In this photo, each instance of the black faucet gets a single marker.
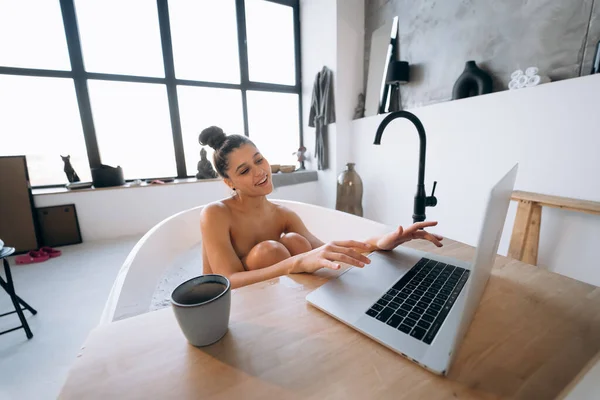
(421, 199)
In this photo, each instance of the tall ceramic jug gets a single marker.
(349, 191)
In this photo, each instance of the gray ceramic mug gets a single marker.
(202, 306)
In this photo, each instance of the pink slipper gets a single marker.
(50, 251)
(32, 257)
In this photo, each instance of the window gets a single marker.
(265, 39)
(133, 127)
(273, 124)
(39, 118)
(134, 83)
(195, 57)
(32, 36)
(201, 107)
(120, 37)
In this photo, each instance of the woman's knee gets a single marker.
(266, 253)
(295, 243)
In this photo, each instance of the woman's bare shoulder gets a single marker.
(216, 211)
(281, 209)
(285, 213)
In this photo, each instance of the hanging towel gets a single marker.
(322, 113)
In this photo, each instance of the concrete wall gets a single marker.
(471, 143)
(111, 213)
(438, 37)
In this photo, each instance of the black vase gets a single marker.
(472, 82)
(106, 176)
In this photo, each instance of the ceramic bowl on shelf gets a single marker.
(275, 168)
(287, 168)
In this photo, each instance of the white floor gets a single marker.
(69, 293)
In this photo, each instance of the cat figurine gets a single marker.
(71, 174)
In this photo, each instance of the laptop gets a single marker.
(419, 304)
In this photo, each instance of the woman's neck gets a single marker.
(250, 203)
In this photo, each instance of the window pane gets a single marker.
(200, 108)
(32, 35)
(120, 37)
(270, 34)
(40, 119)
(205, 44)
(274, 126)
(133, 128)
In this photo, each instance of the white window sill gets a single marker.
(279, 179)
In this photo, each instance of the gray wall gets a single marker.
(437, 37)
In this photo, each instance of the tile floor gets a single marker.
(69, 293)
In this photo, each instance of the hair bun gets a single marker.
(212, 136)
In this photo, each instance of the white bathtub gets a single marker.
(170, 253)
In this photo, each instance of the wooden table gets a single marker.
(586, 383)
(533, 333)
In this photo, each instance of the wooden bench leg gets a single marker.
(519, 232)
(524, 241)
(532, 240)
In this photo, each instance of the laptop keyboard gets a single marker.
(420, 301)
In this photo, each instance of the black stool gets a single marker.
(16, 300)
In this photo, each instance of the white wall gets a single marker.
(332, 33)
(553, 131)
(318, 41)
(114, 213)
(350, 44)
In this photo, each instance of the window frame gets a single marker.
(80, 77)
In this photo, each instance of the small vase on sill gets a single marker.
(472, 82)
(349, 191)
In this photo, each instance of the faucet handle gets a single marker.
(431, 201)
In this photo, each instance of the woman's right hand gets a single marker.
(330, 255)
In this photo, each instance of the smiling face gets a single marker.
(249, 172)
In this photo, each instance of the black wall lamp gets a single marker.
(394, 74)
(398, 73)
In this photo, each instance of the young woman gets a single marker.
(248, 239)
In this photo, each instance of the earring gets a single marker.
(233, 189)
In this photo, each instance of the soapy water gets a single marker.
(187, 266)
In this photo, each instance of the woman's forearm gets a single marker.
(244, 278)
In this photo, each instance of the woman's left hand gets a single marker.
(416, 231)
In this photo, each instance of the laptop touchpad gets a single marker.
(350, 295)
(375, 278)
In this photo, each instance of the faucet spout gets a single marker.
(420, 130)
(421, 199)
